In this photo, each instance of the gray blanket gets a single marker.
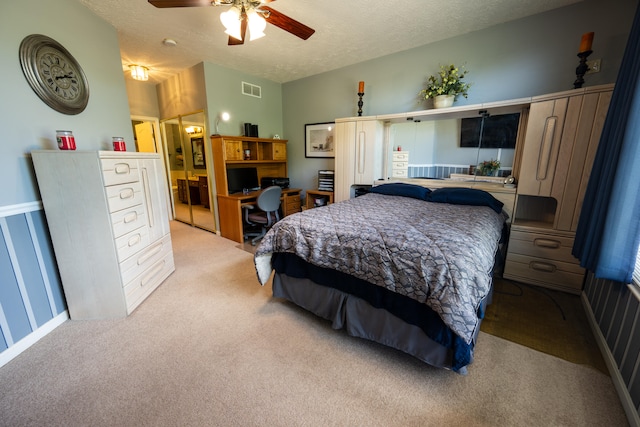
(436, 253)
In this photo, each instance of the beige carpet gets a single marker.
(211, 347)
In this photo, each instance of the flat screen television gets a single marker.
(499, 131)
(240, 178)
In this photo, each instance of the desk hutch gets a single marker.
(268, 156)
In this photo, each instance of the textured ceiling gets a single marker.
(347, 32)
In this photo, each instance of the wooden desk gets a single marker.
(314, 194)
(230, 210)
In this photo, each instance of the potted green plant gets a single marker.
(446, 85)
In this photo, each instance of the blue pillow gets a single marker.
(465, 196)
(402, 189)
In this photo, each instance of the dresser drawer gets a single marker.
(400, 165)
(399, 173)
(541, 271)
(142, 285)
(541, 245)
(124, 196)
(127, 220)
(136, 264)
(131, 243)
(119, 171)
(400, 156)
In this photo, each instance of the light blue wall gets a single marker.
(528, 57)
(224, 93)
(27, 123)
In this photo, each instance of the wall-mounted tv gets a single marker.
(499, 131)
(240, 178)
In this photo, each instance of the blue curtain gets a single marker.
(608, 231)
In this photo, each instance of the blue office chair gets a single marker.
(263, 214)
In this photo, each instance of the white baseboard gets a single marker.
(618, 382)
(26, 342)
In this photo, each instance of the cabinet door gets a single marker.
(279, 151)
(583, 126)
(368, 154)
(542, 142)
(233, 150)
(344, 162)
(156, 197)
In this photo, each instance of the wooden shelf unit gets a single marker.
(268, 156)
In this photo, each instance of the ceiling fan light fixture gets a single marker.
(257, 24)
(138, 72)
(231, 21)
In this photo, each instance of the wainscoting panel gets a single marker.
(614, 311)
(31, 297)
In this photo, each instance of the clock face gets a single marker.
(54, 74)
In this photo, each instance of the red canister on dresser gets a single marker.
(119, 144)
(65, 139)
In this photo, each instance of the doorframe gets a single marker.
(159, 146)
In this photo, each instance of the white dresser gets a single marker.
(400, 164)
(108, 218)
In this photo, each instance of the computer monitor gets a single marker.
(242, 178)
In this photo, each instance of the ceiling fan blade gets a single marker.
(288, 24)
(179, 3)
(243, 30)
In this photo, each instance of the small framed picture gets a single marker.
(197, 145)
(319, 140)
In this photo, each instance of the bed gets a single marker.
(403, 266)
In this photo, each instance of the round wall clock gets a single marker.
(54, 74)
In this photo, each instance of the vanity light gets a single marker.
(138, 72)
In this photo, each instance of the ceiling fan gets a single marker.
(242, 14)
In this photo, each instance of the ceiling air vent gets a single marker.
(251, 90)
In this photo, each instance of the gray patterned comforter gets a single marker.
(436, 253)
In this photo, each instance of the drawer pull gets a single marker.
(130, 217)
(152, 274)
(134, 240)
(544, 158)
(150, 253)
(542, 266)
(122, 168)
(127, 193)
(547, 243)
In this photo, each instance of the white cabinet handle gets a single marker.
(134, 240)
(147, 195)
(545, 148)
(150, 253)
(122, 168)
(127, 193)
(361, 148)
(130, 217)
(547, 243)
(157, 269)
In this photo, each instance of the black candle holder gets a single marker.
(581, 69)
(360, 95)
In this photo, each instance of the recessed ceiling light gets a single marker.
(169, 42)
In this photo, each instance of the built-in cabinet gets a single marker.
(557, 141)
(562, 137)
(107, 214)
(359, 155)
